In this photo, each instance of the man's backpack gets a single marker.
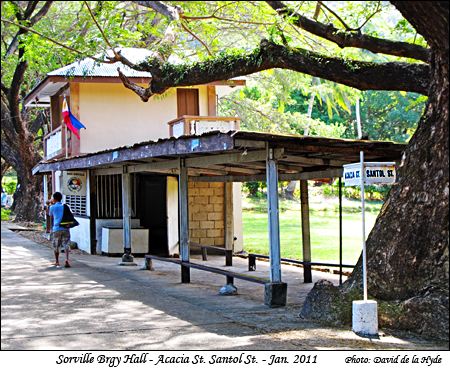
(68, 220)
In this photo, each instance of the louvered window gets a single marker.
(77, 204)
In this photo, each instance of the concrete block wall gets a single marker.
(207, 213)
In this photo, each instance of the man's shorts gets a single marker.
(60, 239)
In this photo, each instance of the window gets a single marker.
(109, 195)
(77, 204)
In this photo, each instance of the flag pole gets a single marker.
(67, 140)
(364, 268)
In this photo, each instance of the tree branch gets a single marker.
(419, 13)
(13, 45)
(346, 39)
(173, 13)
(186, 28)
(38, 122)
(41, 13)
(361, 75)
(98, 26)
(56, 42)
(31, 6)
(347, 28)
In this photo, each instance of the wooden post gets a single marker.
(307, 277)
(184, 221)
(274, 227)
(251, 262)
(340, 230)
(229, 231)
(75, 110)
(92, 211)
(212, 100)
(127, 258)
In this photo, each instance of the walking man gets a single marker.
(60, 235)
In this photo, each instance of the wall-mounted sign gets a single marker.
(375, 173)
(74, 183)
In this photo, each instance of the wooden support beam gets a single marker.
(200, 161)
(246, 144)
(127, 257)
(108, 171)
(304, 200)
(226, 169)
(184, 220)
(229, 232)
(236, 157)
(329, 173)
(312, 161)
(274, 227)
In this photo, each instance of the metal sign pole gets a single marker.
(364, 268)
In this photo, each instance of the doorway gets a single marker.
(152, 211)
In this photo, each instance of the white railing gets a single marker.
(54, 143)
(196, 125)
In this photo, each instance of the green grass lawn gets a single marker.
(324, 222)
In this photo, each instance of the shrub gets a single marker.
(254, 188)
(9, 185)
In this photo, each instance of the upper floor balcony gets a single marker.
(196, 125)
(54, 144)
(59, 143)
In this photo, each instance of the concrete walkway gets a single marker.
(97, 304)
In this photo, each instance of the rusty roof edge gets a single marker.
(225, 141)
(242, 134)
(184, 145)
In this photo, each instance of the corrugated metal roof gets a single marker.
(89, 67)
(299, 141)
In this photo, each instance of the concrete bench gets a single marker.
(274, 293)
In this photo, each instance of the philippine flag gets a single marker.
(71, 121)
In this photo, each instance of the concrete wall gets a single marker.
(100, 223)
(114, 116)
(81, 234)
(237, 217)
(112, 240)
(206, 213)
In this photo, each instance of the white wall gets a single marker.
(172, 215)
(81, 234)
(114, 116)
(100, 223)
(112, 240)
(237, 217)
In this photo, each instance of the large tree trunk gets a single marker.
(407, 250)
(18, 134)
(29, 195)
(5, 168)
(22, 156)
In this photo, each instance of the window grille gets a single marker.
(77, 204)
(109, 195)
